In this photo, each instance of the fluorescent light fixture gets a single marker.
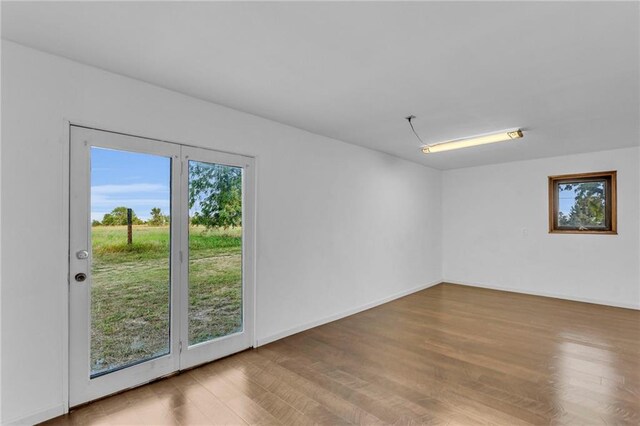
(505, 135)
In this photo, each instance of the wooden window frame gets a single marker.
(611, 212)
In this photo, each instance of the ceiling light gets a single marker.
(506, 135)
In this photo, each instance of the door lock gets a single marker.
(80, 277)
(82, 254)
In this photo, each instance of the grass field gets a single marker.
(130, 291)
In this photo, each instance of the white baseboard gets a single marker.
(331, 318)
(545, 294)
(38, 417)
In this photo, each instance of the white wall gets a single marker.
(0, 245)
(495, 231)
(339, 226)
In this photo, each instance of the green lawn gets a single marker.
(130, 291)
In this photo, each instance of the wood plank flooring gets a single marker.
(446, 355)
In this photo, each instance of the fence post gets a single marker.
(129, 230)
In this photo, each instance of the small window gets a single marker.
(583, 203)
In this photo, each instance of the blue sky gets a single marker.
(567, 199)
(133, 180)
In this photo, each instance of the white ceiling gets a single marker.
(567, 72)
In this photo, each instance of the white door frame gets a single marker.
(78, 294)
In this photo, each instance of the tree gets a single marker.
(588, 209)
(118, 216)
(563, 220)
(95, 223)
(215, 193)
(157, 218)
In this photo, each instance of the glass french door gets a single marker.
(216, 242)
(161, 259)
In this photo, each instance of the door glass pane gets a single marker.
(130, 262)
(215, 251)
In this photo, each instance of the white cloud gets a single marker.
(128, 189)
(115, 202)
(141, 197)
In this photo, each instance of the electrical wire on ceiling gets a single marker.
(409, 118)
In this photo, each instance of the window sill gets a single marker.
(575, 231)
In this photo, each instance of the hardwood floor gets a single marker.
(446, 355)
